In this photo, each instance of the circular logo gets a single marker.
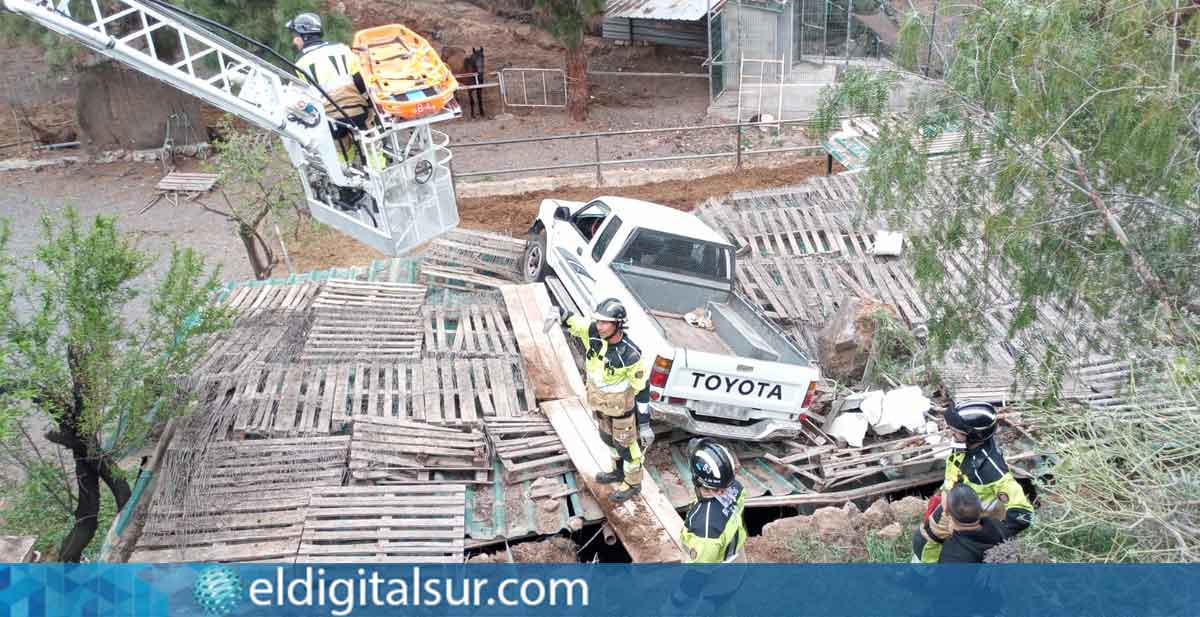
(218, 590)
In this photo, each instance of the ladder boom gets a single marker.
(208, 67)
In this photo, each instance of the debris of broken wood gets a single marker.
(528, 448)
(390, 451)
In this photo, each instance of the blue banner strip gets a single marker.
(607, 590)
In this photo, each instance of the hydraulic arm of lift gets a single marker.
(410, 193)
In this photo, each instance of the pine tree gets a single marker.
(569, 21)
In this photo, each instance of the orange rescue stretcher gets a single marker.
(405, 77)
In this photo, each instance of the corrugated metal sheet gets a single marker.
(685, 34)
(679, 10)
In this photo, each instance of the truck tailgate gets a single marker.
(742, 382)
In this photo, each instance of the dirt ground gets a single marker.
(552, 550)
(837, 534)
(512, 214)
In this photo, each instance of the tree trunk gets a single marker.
(87, 510)
(260, 263)
(118, 485)
(577, 83)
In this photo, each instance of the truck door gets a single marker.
(575, 265)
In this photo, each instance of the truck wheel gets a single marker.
(533, 264)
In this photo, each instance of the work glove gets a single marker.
(646, 434)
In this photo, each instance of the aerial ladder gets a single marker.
(408, 185)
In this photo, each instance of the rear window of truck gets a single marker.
(658, 250)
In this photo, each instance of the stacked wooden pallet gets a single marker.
(365, 321)
(528, 448)
(414, 523)
(268, 321)
(238, 501)
(437, 390)
(387, 451)
(278, 400)
(468, 260)
(468, 330)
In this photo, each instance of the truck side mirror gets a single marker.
(561, 213)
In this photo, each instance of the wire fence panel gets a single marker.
(530, 87)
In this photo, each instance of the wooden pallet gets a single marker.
(466, 260)
(187, 182)
(387, 451)
(418, 523)
(361, 320)
(528, 448)
(176, 184)
(468, 330)
(797, 232)
(268, 323)
(287, 399)
(546, 354)
(434, 390)
(648, 524)
(249, 300)
(245, 501)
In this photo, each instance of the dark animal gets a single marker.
(469, 69)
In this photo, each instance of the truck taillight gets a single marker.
(808, 397)
(675, 400)
(660, 371)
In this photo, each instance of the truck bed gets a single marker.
(681, 334)
(740, 331)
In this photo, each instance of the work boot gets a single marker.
(625, 494)
(609, 477)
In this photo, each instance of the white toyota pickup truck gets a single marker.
(719, 367)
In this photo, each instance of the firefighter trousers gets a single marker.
(620, 434)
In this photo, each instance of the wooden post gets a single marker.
(738, 145)
(599, 180)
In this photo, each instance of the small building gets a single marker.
(758, 43)
(675, 23)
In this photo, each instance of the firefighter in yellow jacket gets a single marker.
(713, 529)
(979, 464)
(617, 393)
(334, 67)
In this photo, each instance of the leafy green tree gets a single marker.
(1082, 123)
(257, 183)
(1079, 191)
(71, 353)
(261, 20)
(569, 21)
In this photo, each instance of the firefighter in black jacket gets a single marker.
(713, 529)
(980, 465)
(971, 533)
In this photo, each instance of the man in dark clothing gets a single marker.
(972, 534)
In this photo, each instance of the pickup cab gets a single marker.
(718, 366)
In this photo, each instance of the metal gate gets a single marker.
(761, 90)
(533, 87)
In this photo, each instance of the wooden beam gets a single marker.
(647, 525)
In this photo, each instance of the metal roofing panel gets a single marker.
(680, 10)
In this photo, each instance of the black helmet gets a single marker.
(610, 310)
(712, 463)
(306, 24)
(976, 419)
